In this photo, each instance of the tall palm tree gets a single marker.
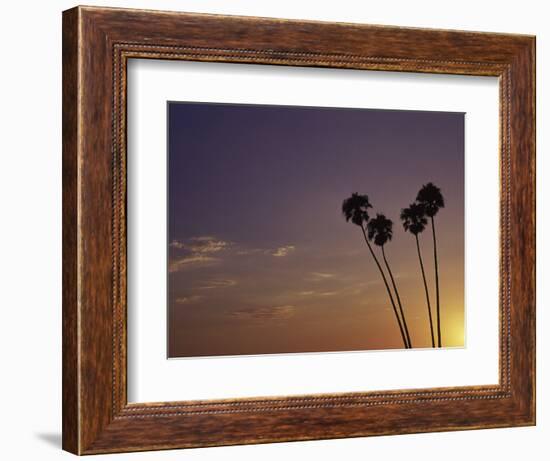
(414, 221)
(380, 229)
(430, 197)
(356, 210)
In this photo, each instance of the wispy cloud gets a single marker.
(319, 276)
(318, 293)
(249, 251)
(208, 250)
(201, 245)
(188, 299)
(218, 283)
(278, 252)
(264, 314)
(283, 251)
(178, 264)
(197, 251)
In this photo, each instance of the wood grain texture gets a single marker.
(97, 43)
(70, 383)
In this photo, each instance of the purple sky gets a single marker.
(262, 260)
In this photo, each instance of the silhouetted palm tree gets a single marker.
(414, 221)
(430, 197)
(380, 229)
(355, 209)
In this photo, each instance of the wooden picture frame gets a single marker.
(97, 43)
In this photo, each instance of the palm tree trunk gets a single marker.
(426, 289)
(407, 346)
(436, 286)
(398, 298)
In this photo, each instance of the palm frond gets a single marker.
(431, 198)
(380, 229)
(414, 218)
(355, 209)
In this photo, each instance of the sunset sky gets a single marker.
(261, 259)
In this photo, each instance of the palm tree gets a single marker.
(380, 230)
(414, 221)
(356, 210)
(430, 197)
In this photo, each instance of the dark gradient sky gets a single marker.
(260, 257)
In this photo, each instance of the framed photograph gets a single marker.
(280, 230)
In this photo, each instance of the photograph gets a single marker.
(295, 229)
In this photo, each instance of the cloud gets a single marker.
(188, 299)
(207, 244)
(178, 264)
(264, 314)
(198, 251)
(250, 251)
(316, 293)
(319, 276)
(207, 249)
(283, 251)
(218, 283)
(201, 245)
